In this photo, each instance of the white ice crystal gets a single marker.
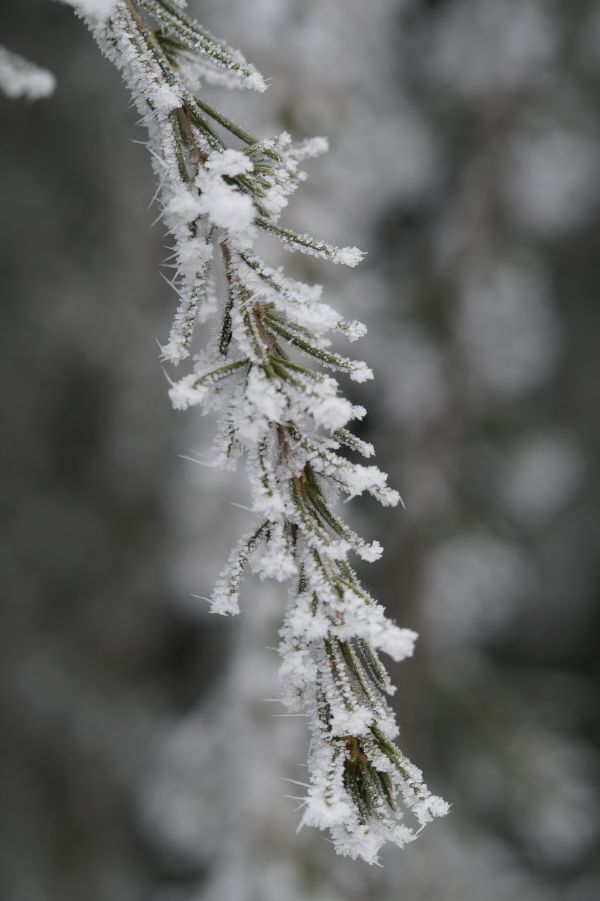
(185, 393)
(348, 256)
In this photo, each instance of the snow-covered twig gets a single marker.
(221, 187)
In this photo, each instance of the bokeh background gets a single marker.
(138, 759)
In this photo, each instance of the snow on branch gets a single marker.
(221, 187)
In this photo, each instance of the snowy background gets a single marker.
(137, 757)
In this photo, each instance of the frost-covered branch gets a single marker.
(221, 188)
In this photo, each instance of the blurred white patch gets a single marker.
(20, 78)
(550, 789)
(461, 864)
(507, 326)
(543, 474)
(471, 586)
(485, 47)
(416, 381)
(429, 492)
(552, 179)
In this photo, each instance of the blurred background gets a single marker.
(138, 759)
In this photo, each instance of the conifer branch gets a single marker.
(286, 419)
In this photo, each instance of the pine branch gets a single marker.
(286, 419)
